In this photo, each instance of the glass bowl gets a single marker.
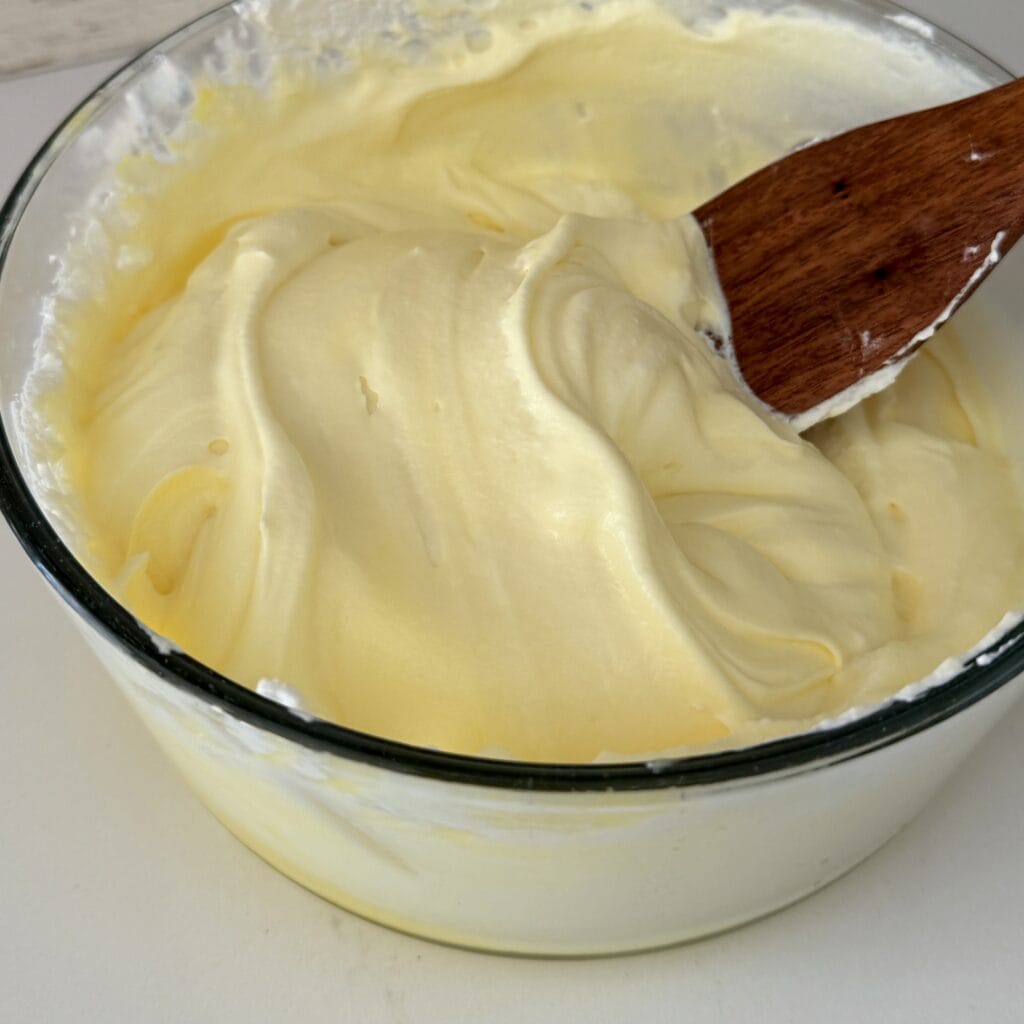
(540, 859)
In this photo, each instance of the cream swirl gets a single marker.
(430, 432)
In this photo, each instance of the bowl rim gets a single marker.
(981, 674)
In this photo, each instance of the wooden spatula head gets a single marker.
(838, 261)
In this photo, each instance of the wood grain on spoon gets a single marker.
(840, 258)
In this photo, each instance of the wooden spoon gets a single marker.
(840, 260)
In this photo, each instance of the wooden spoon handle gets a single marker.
(842, 257)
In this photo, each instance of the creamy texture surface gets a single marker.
(401, 400)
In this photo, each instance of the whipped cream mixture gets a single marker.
(401, 399)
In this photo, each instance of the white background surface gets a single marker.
(122, 899)
(38, 35)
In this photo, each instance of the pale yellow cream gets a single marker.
(405, 403)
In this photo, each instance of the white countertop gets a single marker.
(122, 899)
(38, 35)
